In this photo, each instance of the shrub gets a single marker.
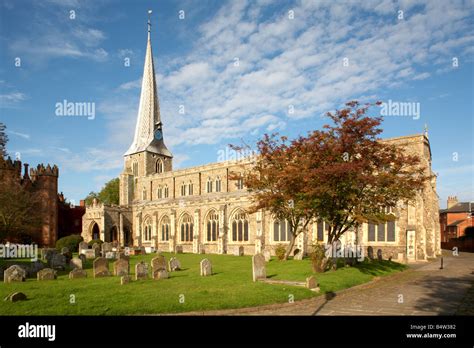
(280, 251)
(71, 242)
(318, 258)
(98, 241)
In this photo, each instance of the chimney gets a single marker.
(452, 201)
(25, 176)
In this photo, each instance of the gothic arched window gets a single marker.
(190, 188)
(209, 185)
(147, 230)
(218, 184)
(183, 189)
(212, 226)
(240, 227)
(165, 229)
(166, 191)
(186, 228)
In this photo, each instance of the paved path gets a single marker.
(424, 289)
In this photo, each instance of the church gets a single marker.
(201, 210)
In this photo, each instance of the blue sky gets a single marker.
(284, 59)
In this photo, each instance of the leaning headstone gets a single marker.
(174, 264)
(77, 273)
(178, 249)
(141, 270)
(267, 255)
(46, 274)
(258, 267)
(82, 257)
(312, 284)
(239, 251)
(206, 268)
(16, 296)
(125, 279)
(160, 274)
(379, 255)
(101, 267)
(58, 262)
(121, 267)
(370, 253)
(14, 273)
(76, 262)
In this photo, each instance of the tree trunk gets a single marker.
(292, 243)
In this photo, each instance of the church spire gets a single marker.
(148, 131)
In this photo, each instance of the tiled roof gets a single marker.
(455, 223)
(459, 208)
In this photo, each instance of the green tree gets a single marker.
(108, 195)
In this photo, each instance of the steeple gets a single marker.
(148, 131)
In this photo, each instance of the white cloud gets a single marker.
(21, 135)
(11, 99)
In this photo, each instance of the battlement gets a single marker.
(41, 170)
(9, 164)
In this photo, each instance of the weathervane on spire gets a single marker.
(149, 20)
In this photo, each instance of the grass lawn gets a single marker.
(230, 286)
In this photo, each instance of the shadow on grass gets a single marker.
(377, 268)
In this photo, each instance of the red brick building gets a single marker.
(455, 219)
(69, 217)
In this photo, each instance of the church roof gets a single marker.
(148, 118)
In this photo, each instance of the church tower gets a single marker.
(148, 154)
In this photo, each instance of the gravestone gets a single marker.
(77, 273)
(76, 262)
(58, 261)
(312, 284)
(141, 270)
(158, 262)
(379, 255)
(101, 267)
(239, 251)
(47, 253)
(267, 255)
(16, 296)
(34, 268)
(121, 267)
(83, 246)
(298, 255)
(178, 249)
(96, 249)
(110, 255)
(174, 264)
(125, 279)
(258, 267)
(206, 268)
(64, 250)
(14, 274)
(160, 274)
(370, 253)
(46, 274)
(89, 253)
(106, 247)
(82, 257)
(124, 256)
